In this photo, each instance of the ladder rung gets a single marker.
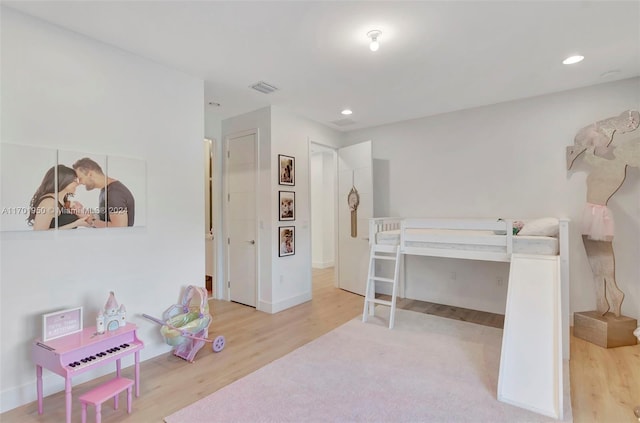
(379, 279)
(384, 258)
(375, 301)
(385, 248)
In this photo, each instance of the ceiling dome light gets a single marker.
(573, 59)
(346, 112)
(373, 35)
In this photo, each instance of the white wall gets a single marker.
(283, 281)
(62, 90)
(505, 160)
(291, 135)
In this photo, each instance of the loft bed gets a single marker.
(475, 239)
(536, 331)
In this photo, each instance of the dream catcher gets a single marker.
(353, 199)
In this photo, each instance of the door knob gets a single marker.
(251, 242)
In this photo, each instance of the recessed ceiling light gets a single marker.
(573, 59)
(346, 112)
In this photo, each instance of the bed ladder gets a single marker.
(387, 253)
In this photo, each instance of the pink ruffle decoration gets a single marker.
(597, 222)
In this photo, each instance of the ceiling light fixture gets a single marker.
(572, 60)
(346, 112)
(373, 35)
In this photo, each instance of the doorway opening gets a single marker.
(323, 186)
(209, 203)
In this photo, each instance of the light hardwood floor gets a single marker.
(605, 382)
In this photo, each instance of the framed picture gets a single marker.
(287, 238)
(287, 170)
(61, 323)
(287, 205)
(27, 207)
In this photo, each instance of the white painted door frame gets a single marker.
(357, 263)
(225, 217)
(212, 238)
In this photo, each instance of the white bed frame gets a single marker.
(505, 241)
(536, 332)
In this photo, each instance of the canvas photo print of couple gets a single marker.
(56, 189)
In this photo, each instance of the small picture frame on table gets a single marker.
(287, 240)
(61, 323)
(286, 170)
(286, 205)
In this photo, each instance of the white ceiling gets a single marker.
(434, 57)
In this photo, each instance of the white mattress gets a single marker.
(541, 245)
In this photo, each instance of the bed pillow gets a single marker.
(547, 226)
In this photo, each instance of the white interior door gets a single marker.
(355, 169)
(241, 168)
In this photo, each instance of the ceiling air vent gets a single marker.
(263, 87)
(343, 122)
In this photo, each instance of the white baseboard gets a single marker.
(273, 308)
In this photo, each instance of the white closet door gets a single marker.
(355, 169)
(241, 165)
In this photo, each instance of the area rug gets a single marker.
(427, 369)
